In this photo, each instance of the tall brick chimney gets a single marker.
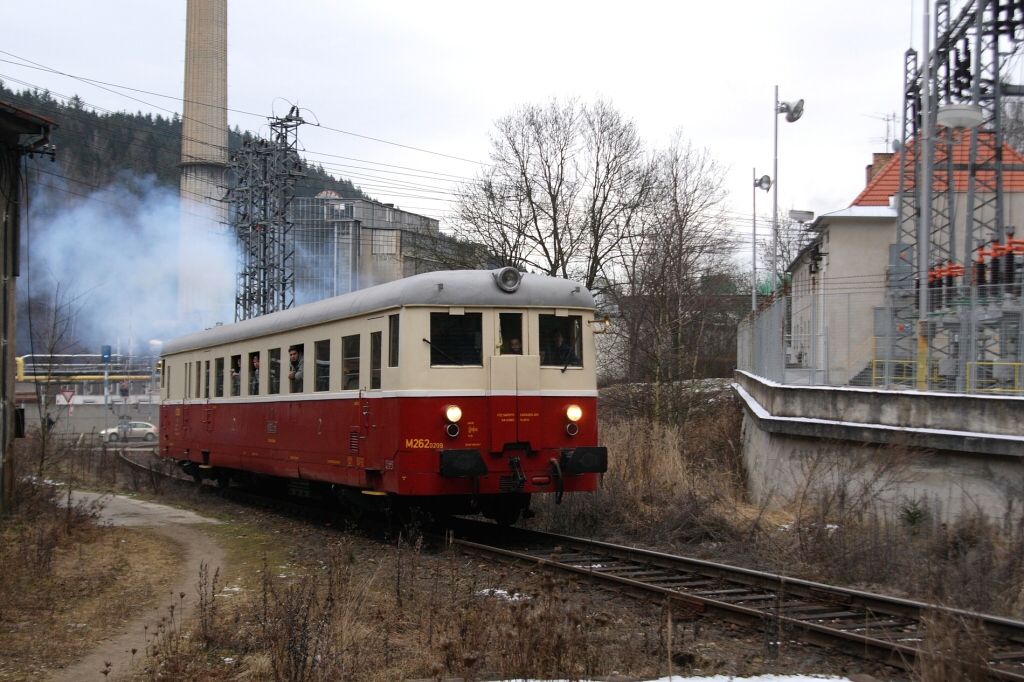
(878, 161)
(204, 146)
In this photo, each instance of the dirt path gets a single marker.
(183, 528)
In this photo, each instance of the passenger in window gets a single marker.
(295, 369)
(254, 375)
(514, 347)
(236, 375)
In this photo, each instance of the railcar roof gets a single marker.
(442, 288)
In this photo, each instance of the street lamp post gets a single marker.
(793, 112)
(764, 182)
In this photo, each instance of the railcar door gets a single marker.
(514, 378)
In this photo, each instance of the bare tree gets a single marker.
(671, 273)
(792, 238)
(565, 184)
(51, 319)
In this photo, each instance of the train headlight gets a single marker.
(453, 413)
(574, 413)
(508, 279)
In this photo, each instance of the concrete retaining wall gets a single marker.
(957, 453)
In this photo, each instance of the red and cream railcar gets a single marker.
(466, 391)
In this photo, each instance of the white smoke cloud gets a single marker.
(115, 254)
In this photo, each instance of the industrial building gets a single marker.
(346, 244)
(21, 133)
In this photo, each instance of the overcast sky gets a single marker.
(436, 75)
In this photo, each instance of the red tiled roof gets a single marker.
(886, 182)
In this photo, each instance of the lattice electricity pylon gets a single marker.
(960, 328)
(265, 172)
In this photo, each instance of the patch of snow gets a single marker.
(728, 678)
(499, 593)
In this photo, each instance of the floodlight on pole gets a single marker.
(760, 183)
(793, 112)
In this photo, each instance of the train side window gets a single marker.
(199, 378)
(376, 341)
(456, 339)
(511, 328)
(274, 371)
(236, 375)
(206, 379)
(218, 378)
(296, 367)
(561, 341)
(393, 340)
(350, 362)
(188, 381)
(168, 369)
(322, 365)
(254, 373)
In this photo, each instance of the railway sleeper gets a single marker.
(1007, 656)
(832, 615)
(684, 583)
(739, 598)
(711, 594)
(640, 574)
(875, 625)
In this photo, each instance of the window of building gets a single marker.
(296, 358)
(274, 371)
(376, 341)
(218, 377)
(393, 340)
(322, 365)
(384, 242)
(236, 375)
(254, 373)
(511, 329)
(561, 341)
(206, 379)
(456, 339)
(350, 362)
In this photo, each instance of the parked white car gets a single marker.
(130, 431)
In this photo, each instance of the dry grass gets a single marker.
(328, 609)
(356, 618)
(682, 488)
(661, 485)
(68, 583)
(954, 649)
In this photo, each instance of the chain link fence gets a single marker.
(855, 339)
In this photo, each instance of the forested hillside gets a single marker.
(95, 147)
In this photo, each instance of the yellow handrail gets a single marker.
(989, 384)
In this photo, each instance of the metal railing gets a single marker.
(995, 377)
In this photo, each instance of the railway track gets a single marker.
(886, 629)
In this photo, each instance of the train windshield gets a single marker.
(456, 339)
(561, 341)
